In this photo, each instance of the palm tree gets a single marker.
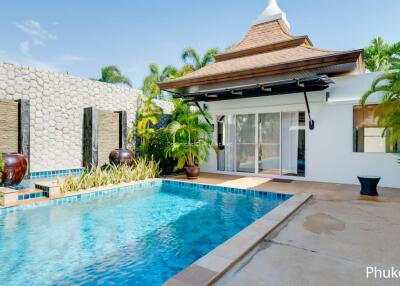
(194, 62)
(191, 137)
(149, 115)
(388, 110)
(150, 86)
(112, 74)
(380, 56)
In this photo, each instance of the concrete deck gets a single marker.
(330, 241)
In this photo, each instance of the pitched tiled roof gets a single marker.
(264, 34)
(267, 49)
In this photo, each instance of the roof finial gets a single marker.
(272, 13)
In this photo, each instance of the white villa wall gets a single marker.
(56, 111)
(329, 147)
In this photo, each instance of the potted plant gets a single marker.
(2, 165)
(191, 138)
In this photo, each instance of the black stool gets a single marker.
(369, 185)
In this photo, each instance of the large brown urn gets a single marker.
(121, 157)
(192, 172)
(14, 170)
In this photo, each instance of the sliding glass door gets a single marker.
(269, 146)
(245, 143)
(293, 143)
(266, 143)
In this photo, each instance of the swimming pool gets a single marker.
(137, 235)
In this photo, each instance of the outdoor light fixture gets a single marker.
(211, 95)
(267, 89)
(328, 95)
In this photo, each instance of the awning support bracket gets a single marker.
(311, 123)
(202, 112)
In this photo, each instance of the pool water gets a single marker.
(135, 237)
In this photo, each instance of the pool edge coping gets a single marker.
(214, 265)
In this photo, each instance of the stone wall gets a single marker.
(108, 135)
(56, 111)
(8, 126)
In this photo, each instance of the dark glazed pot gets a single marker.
(121, 157)
(14, 170)
(192, 172)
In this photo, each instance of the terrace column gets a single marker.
(123, 129)
(90, 137)
(24, 130)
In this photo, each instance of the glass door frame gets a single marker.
(257, 156)
(257, 140)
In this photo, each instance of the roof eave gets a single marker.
(299, 65)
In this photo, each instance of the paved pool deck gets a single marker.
(330, 241)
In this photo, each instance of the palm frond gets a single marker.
(112, 74)
(191, 58)
(209, 57)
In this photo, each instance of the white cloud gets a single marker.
(36, 31)
(60, 63)
(69, 59)
(37, 42)
(24, 47)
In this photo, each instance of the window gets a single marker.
(368, 136)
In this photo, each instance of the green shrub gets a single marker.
(111, 175)
(158, 146)
(2, 165)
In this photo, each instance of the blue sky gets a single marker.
(81, 36)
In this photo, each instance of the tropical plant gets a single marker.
(388, 111)
(380, 56)
(193, 61)
(112, 74)
(94, 177)
(191, 137)
(157, 147)
(150, 86)
(149, 115)
(2, 165)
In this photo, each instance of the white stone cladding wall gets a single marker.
(56, 109)
(166, 106)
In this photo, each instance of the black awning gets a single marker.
(307, 84)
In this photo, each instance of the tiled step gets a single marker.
(24, 195)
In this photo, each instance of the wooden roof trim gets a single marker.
(284, 27)
(304, 64)
(264, 48)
